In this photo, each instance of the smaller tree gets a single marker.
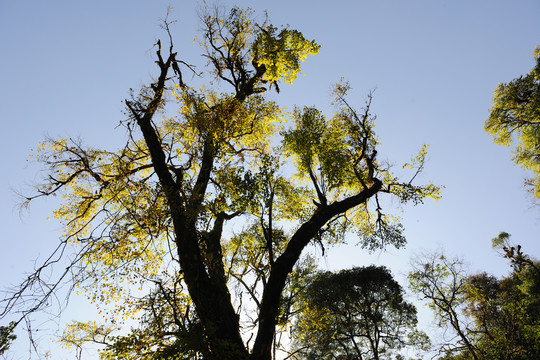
(355, 314)
(441, 281)
(506, 311)
(518, 260)
(515, 116)
(493, 318)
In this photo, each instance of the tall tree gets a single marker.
(358, 313)
(154, 214)
(515, 118)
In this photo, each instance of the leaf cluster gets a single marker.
(154, 225)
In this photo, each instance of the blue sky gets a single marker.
(66, 66)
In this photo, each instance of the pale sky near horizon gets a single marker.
(66, 66)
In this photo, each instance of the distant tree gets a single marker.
(506, 315)
(355, 314)
(493, 318)
(518, 260)
(515, 118)
(153, 216)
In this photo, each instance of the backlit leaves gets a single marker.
(514, 119)
(281, 52)
(151, 222)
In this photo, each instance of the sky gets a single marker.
(66, 66)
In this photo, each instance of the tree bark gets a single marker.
(286, 261)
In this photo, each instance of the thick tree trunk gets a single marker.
(285, 263)
(213, 305)
(206, 283)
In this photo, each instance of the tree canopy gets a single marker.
(515, 119)
(146, 227)
(359, 313)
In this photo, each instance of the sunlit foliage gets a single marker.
(197, 227)
(514, 119)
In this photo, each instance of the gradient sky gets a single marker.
(66, 66)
